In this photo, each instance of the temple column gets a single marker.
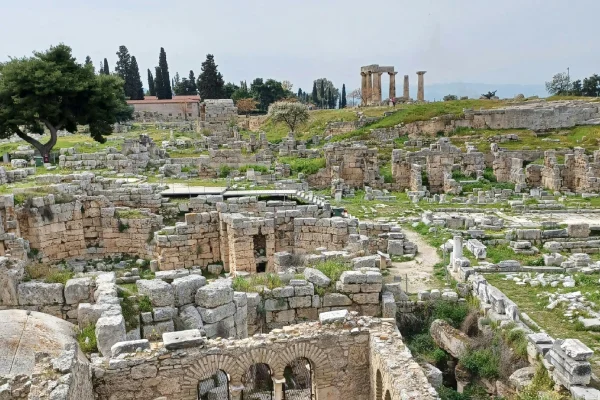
(363, 82)
(392, 85)
(367, 95)
(421, 88)
(457, 250)
(278, 388)
(377, 88)
(406, 93)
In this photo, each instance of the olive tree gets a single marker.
(293, 114)
(52, 91)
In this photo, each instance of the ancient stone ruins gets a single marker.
(193, 256)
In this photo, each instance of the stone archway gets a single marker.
(258, 383)
(299, 382)
(378, 386)
(214, 388)
(388, 396)
(206, 367)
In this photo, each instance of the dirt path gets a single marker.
(420, 270)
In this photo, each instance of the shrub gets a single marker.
(439, 356)
(86, 338)
(258, 168)
(307, 166)
(144, 304)
(224, 171)
(122, 226)
(386, 173)
(450, 97)
(241, 284)
(453, 313)
(130, 313)
(58, 276)
(482, 362)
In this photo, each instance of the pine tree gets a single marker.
(137, 88)
(123, 68)
(151, 88)
(88, 61)
(315, 97)
(106, 69)
(192, 83)
(343, 98)
(158, 83)
(210, 81)
(166, 92)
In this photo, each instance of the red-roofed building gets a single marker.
(179, 108)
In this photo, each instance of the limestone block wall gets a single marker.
(195, 242)
(339, 357)
(217, 114)
(356, 165)
(85, 227)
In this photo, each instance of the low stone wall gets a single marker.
(344, 358)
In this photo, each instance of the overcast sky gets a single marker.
(483, 41)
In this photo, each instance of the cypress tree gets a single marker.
(136, 81)
(158, 83)
(167, 92)
(343, 98)
(88, 61)
(210, 81)
(101, 70)
(106, 69)
(315, 97)
(322, 90)
(192, 80)
(151, 89)
(123, 68)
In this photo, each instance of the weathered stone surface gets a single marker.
(276, 304)
(365, 262)
(78, 290)
(213, 315)
(316, 277)
(182, 339)
(575, 349)
(188, 318)
(129, 347)
(109, 330)
(154, 331)
(163, 313)
(88, 314)
(336, 300)
(40, 293)
(521, 378)
(434, 375)
(159, 292)
(213, 295)
(448, 338)
(185, 289)
(333, 316)
(10, 276)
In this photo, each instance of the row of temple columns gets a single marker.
(371, 86)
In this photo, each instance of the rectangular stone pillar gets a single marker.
(278, 388)
(421, 88)
(377, 88)
(392, 85)
(363, 83)
(457, 250)
(369, 93)
(406, 93)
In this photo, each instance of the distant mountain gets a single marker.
(437, 91)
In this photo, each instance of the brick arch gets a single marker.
(318, 359)
(256, 356)
(206, 366)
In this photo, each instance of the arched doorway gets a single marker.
(388, 396)
(214, 388)
(258, 383)
(299, 383)
(378, 386)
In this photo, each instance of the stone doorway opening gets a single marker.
(299, 383)
(214, 388)
(260, 252)
(258, 383)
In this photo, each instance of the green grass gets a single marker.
(553, 321)
(144, 304)
(483, 363)
(498, 253)
(59, 277)
(256, 283)
(130, 214)
(307, 166)
(86, 338)
(420, 112)
(332, 269)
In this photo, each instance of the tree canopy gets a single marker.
(52, 91)
(293, 114)
(210, 82)
(559, 85)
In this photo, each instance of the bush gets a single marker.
(130, 313)
(450, 97)
(482, 362)
(241, 284)
(453, 313)
(258, 168)
(224, 171)
(307, 166)
(144, 304)
(86, 338)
